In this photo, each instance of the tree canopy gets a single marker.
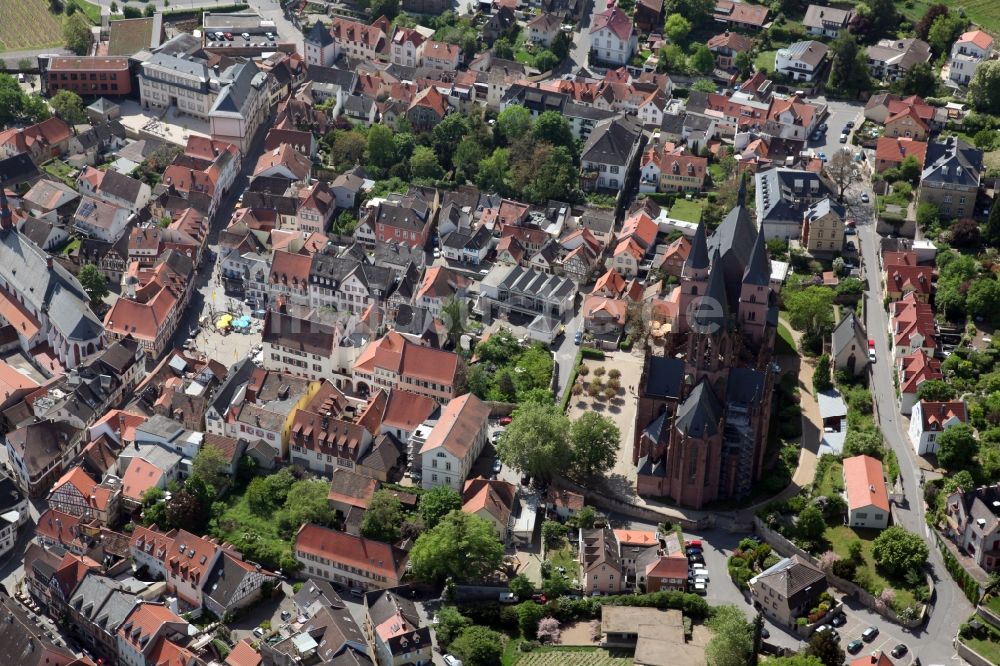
(957, 446)
(437, 503)
(76, 34)
(383, 517)
(899, 551)
(463, 546)
(849, 65)
(478, 646)
(810, 310)
(595, 440)
(536, 441)
(984, 88)
(68, 106)
(824, 647)
(732, 639)
(94, 283)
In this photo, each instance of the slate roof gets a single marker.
(849, 329)
(233, 97)
(792, 575)
(758, 272)
(17, 169)
(698, 416)
(102, 601)
(952, 161)
(665, 377)
(612, 142)
(227, 577)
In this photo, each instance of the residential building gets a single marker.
(823, 227)
(38, 453)
(903, 276)
(867, 497)
(950, 179)
(405, 45)
(613, 37)
(492, 500)
(324, 438)
(668, 169)
(542, 29)
(77, 494)
(914, 369)
(890, 59)
(454, 443)
(787, 590)
(882, 106)
(242, 105)
(610, 153)
(783, 197)
(890, 152)
(601, 568)
(649, 15)
(51, 201)
(973, 515)
(233, 584)
(801, 61)
(397, 361)
(393, 630)
(312, 346)
(149, 631)
(849, 345)
(403, 219)
(203, 174)
(967, 53)
(152, 303)
(440, 55)
(582, 118)
(906, 123)
(826, 21)
(351, 561)
(740, 15)
(114, 188)
(99, 220)
(284, 162)
(656, 637)
(912, 327)
(930, 419)
(97, 608)
(88, 76)
(725, 46)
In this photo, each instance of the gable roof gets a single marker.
(364, 554)
(459, 426)
(977, 37)
(698, 416)
(934, 415)
(849, 330)
(791, 576)
(865, 483)
(612, 142)
(895, 150)
(615, 20)
(916, 368)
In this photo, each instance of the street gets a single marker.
(839, 114)
(950, 608)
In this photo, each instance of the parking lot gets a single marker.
(889, 636)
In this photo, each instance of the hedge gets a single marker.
(568, 390)
(968, 584)
(591, 354)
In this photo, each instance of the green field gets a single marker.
(841, 536)
(689, 211)
(764, 61)
(982, 12)
(832, 481)
(28, 24)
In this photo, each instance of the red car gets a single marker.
(539, 598)
(693, 544)
(505, 420)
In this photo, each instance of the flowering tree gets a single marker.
(827, 559)
(548, 630)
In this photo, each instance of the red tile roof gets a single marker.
(907, 112)
(865, 483)
(916, 368)
(903, 279)
(611, 283)
(936, 414)
(615, 308)
(459, 426)
(889, 149)
(668, 566)
(406, 410)
(146, 621)
(641, 228)
(140, 476)
(243, 654)
(364, 554)
(615, 20)
(909, 317)
(399, 355)
(977, 37)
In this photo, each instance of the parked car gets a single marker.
(864, 197)
(246, 36)
(838, 620)
(505, 420)
(539, 598)
(578, 338)
(451, 660)
(764, 633)
(871, 350)
(899, 651)
(229, 36)
(700, 588)
(869, 634)
(843, 137)
(258, 632)
(823, 157)
(497, 466)
(850, 124)
(855, 646)
(694, 543)
(508, 598)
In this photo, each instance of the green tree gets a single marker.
(149, 11)
(732, 638)
(76, 34)
(703, 85)
(381, 147)
(493, 174)
(595, 440)
(131, 12)
(529, 614)
(923, 27)
(984, 88)
(536, 441)
(383, 517)
(909, 169)
(154, 508)
(94, 283)
(935, 390)
(698, 12)
(676, 28)
(447, 134)
(701, 59)
(983, 299)
(992, 232)
(553, 128)
(68, 106)
(944, 31)
(821, 375)
(386, 8)
(345, 224)
(874, 19)
(899, 551)
(553, 533)
(210, 465)
(437, 503)
(824, 647)
(478, 646)
(864, 443)
(462, 545)
(673, 59)
(795, 660)
(521, 586)
(811, 524)
(305, 502)
(548, 174)
(849, 66)
(810, 310)
(513, 122)
(918, 80)
(743, 63)
(467, 156)
(185, 510)
(347, 149)
(562, 44)
(855, 551)
(957, 446)
(25, 64)
(503, 49)
(450, 623)
(927, 214)
(424, 164)
(453, 317)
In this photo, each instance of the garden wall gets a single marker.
(989, 616)
(628, 509)
(786, 548)
(498, 409)
(971, 656)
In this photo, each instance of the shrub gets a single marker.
(583, 371)
(614, 373)
(591, 353)
(599, 371)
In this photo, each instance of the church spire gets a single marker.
(698, 257)
(741, 195)
(758, 272)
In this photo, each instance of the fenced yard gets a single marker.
(28, 24)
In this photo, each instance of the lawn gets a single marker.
(90, 10)
(689, 211)
(786, 343)
(563, 557)
(832, 481)
(840, 538)
(988, 649)
(574, 656)
(994, 604)
(765, 61)
(70, 247)
(61, 171)
(15, 17)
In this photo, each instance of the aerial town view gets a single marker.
(499, 333)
